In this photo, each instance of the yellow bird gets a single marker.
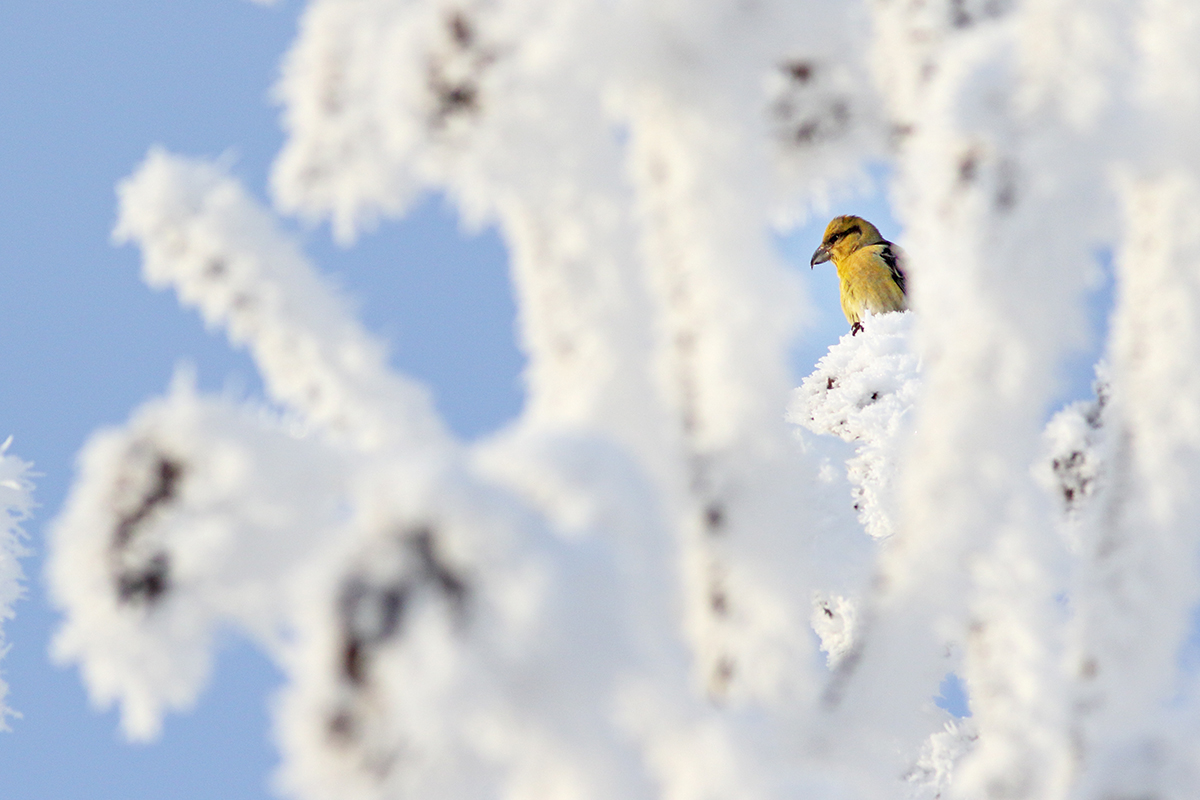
(870, 268)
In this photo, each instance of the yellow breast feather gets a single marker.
(867, 284)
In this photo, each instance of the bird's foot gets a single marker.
(855, 328)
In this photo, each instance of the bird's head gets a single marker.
(843, 236)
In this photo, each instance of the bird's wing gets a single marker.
(894, 257)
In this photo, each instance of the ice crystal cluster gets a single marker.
(651, 585)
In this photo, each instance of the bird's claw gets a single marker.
(855, 328)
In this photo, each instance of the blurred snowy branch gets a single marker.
(623, 593)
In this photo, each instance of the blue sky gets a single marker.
(85, 89)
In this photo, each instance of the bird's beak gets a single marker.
(821, 256)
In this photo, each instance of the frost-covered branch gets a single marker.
(863, 392)
(16, 503)
(202, 235)
(193, 515)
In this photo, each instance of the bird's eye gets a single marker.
(836, 237)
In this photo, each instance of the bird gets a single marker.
(870, 268)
